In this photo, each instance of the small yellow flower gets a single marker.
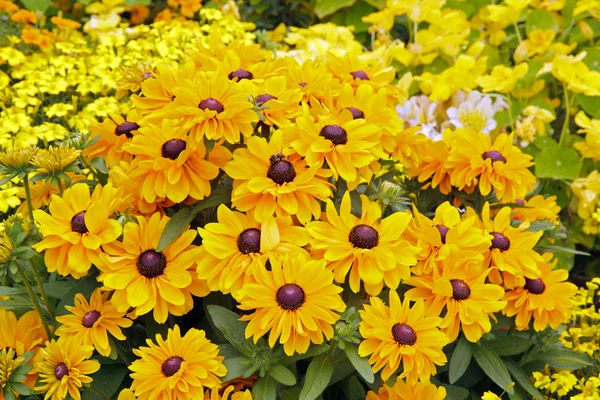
(55, 159)
(502, 79)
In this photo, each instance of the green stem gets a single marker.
(38, 279)
(518, 32)
(28, 196)
(120, 353)
(34, 300)
(510, 116)
(98, 392)
(565, 127)
(90, 168)
(60, 187)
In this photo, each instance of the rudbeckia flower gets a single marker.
(64, 368)
(436, 236)
(168, 166)
(211, 107)
(237, 246)
(502, 166)
(151, 280)
(408, 391)
(110, 136)
(370, 249)
(345, 143)
(545, 299)
(512, 247)
(400, 334)
(78, 224)
(296, 302)
(216, 50)
(459, 288)
(276, 103)
(537, 208)
(350, 69)
(312, 78)
(268, 182)
(180, 367)
(90, 323)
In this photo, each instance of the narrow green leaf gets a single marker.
(460, 359)
(183, 217)
(313, 350)
(232, 328)
(235, 367)
(564, 250)
(21, 388)
(282, 375)
(360, 364)
(99, 164)
(265, 389)
(563, 359)
(522, 379)
(508, 345)
(492, 365)
(317, 378)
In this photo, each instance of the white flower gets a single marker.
(420, 111)
(475, 111)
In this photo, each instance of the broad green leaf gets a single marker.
(563, 359)
(592, 58)
(508, 345)
(235, 367)
(282, 375)
(557, 163)
(354, 389)
(58, 289)
(291, 394)
(232, 328)
(183, 217)
(35, 5)
(591, 105)
(361, 365)
(492, 365)
(99, 164)
(456, 392)
(354, 16)
(21, 388)
(538, 19)
(324, 8)
(317, 378)
(107, 380)
(265, 389)
(522, 379)
(461, 358)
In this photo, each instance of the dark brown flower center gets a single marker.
(443, 230)
(460, 290)
(364, 237)
(263, 98)
(281, 171)
(500, 241)
(171, 366)
(147, 75)
(78, 223)
(125, 129)
(335, 133)
(249, 241)
(535, 286)
(360, 74)
(90, 318)
(151, 263)
(303, 84)
(404, 334)
(290, 296)
(356, 113)
(494, 156)
(173, 148)
(240, 74)
(60, 370)
(520, 202)
(211, 104)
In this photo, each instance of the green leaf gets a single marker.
(591, 105)
(99, 164)
(361, 365)
(522, 379)
(235, 367)
(107, 380)
(492, 365)
(317, 378)
(378, 4)
(265, 389)
(456, 392)
(563, 359)
(508, 345)
(21, 388)
(592, 58)
(538, 19)
(557, 163)
(313, 351)
(282, 375)
(562, 249)
(183, 217)
(59, 289)
(461, 358)
(34, 5)
(354, 16)
(232, 328)
(324, 8)
(7, 179)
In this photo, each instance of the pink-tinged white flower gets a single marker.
(475, 111)
(420, 111)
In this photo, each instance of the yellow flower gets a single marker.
(64, 368)
(76, 228)
(502, 79)
(269, 178)
(180, 367)
(151, 280)
(408, 391)
(537, 43)
(490, 396)
(214, 394)
(278, 104)
(58, 110)
(16, 160)
(6, 248)
(537, 208)
(400, 334)
(236, 247)
(54, 159)
(9, 198)
(545, 299)
(296, 302)
(587, 192)
(90, 323)
(369, 249)
(9, 362)
(576, 74)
